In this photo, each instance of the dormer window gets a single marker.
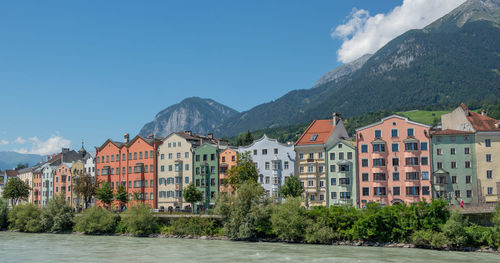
(314, 137)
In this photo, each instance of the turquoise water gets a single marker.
(22, 247)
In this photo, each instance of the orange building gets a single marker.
(62, 181)
(37, 186)
(131, 164)
(227, 160)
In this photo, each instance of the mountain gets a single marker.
(454, 59)
(195, 114)
(9, 160)
(343, 70)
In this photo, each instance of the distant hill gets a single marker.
(455, 59)
(195, 114)
(9, 160)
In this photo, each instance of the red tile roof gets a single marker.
(451, 132)
(321, 128)
(481, 122)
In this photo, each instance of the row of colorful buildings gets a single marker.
(394, 160)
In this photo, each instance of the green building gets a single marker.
(206, 174)
(341, 174)
(453, 166)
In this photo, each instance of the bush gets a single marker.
(319, 233)
(57, 216)
(427, 238)
(4, 211)
(482, 236)
(96, 220)
(139, 221)
(193, 226)
(25, 218)
(289, 220)
(454, 230)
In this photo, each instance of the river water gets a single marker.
(22, 247)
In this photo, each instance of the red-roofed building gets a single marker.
(311, 159)
(487, 147)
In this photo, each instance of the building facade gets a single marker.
(206, 174)
(310, 151)
(454, 166)
(342, 174)
(47, 183)
(228, 158)
(62, 181)
(394, 161)
(275, 162)
(26, 175)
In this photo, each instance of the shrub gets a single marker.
(454, 230)
(194, 226)
(57, 215)
(428, 239)
(96, 220)
(25, 218)
(139, 221)
(319, 233)
(4, 211)
(482, 236)
(289, 220)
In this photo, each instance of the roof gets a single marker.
(11, 172)
(264, 137)
(482, 122)
(390, 117)
(451, 132)
(317, 133)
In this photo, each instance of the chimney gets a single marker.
(210, 135)
(65, 150)
(335, 119)
(483, 112)
(497, 124)
(150, 136)
(189, 133)
(126, 138)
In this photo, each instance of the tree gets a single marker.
(105, 194)
(292, 187)
(244, 170)
(15, 189)
(57, 215)
(85, 186)
(4, 210)
(22, 166)
(289, 220)
(121, 195)
(248, 138)
(192, 195)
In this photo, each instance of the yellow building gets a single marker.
(77, 169)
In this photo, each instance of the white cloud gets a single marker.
(51, 145)
(363, 34)
(4, 142)
(20, 140)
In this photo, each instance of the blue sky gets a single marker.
(73, 70)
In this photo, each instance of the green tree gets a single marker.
(292, 187)
(192, 195)
(4, 211)
(25, 218)
(105, 194)
(22, 166)
(139, 221)
(85, 185)
(244, 170)
(455, 230)
(96, 220)
(496, 215)
(289, 220)
(57, 215)
(15, 189)
(248, 138)
(121, 195)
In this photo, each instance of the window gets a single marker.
(378, 176)
(123, 157)
(378, 133)
(140, 155)
(267, 165)
(344, 181)
(364, 149)
(423, 146)
(453, 165)
(425, 175)
(162, 168)
(411, 146)
(453, 179)
(343, 168)
(395, 161)
(364, 177)
(264, 151)
(452, 151)
(286, 165)
(123, 170)
(186, 167)
(396, 190)
(170, 156)
(341, 156)
(135, 156)
(412, 176)
(489, 174)
(468, 179)
(467, 164)
(439, 165)
(379, 191)
(275, 150)
(395, 147)
(301, 169)
(146, 155)
(424, 161)
(487, 142)
(332, 168)
(364, 162)
(162, 156)
(310, 168)
(488, 158)
(349, 156)
(469, 193)
(301, 156)
(212, 156)
(333, 195)
(366, 191)
(411, 161)
(321, 183)
(345, 195)
(311, 155)
(379, 162)
(212, 169)
(412, 190)
(333, 181)
(466, 150)
(489, 190)
(310, 183)
(379, 147)
(394, 133)
(151, 154)
(313, 137)
(457, 193)
(332, 156)
(340, 146)
(439, 151)
(426, 190)
(410, 132)
(170, 168)
(395, 176)
(254, 152)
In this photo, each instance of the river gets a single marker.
(22, 247)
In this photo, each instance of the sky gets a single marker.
(92, 70)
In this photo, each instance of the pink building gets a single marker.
(394, 161)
